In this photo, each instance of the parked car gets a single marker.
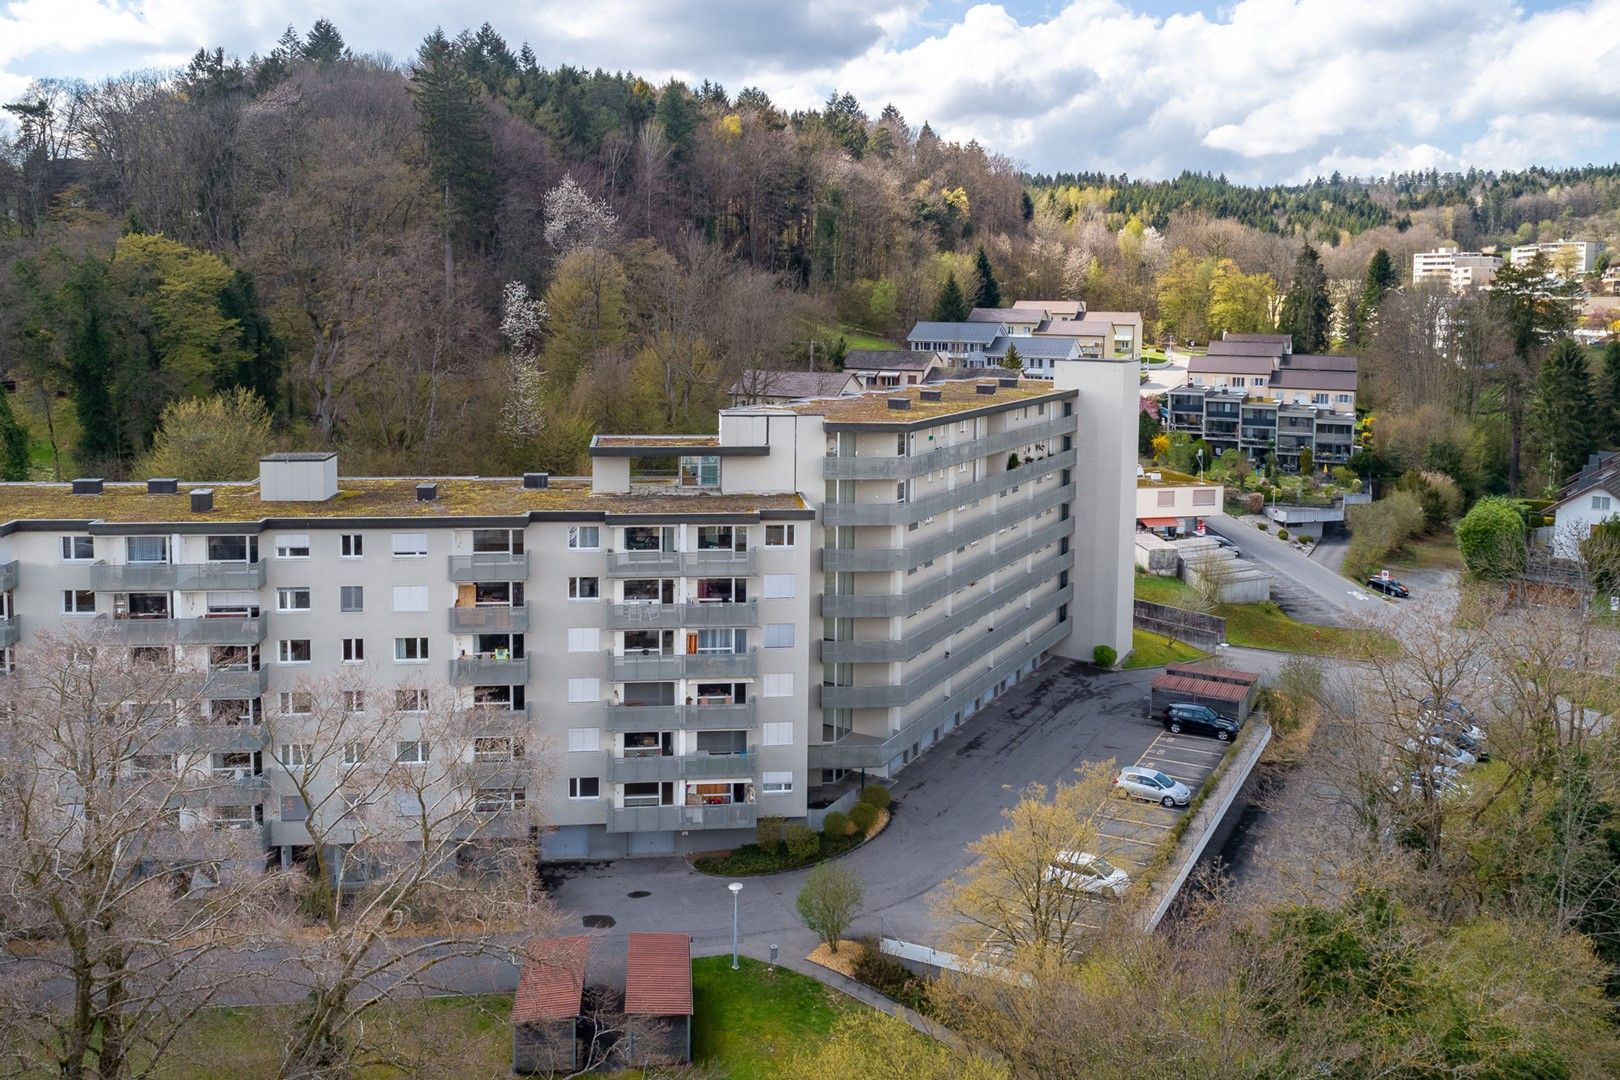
(1454, 716)
(1199, 720)
(1463, 736)
(1439, 780)
(1152, 785)
(1081, 871)
(1437, 748)
(1221, 541)
(1389, 587)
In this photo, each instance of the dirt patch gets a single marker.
(843, 961)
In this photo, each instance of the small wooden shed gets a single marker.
(1226, 690)
(547, 1006)
(658, 1000)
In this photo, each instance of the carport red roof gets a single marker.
(1158, 523)
(553, 981)
(658, 975)
(1206, 688)
(1211, 671)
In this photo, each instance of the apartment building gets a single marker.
(1569, 259)
(1257, 398)
(824, 586)
(1460, 270)
(1047, 331)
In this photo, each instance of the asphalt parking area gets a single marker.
(1133, 829)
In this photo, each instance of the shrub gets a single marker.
(1104, 656)
(829, 900)
(1306, 540)
(863, 816)
(1254, 502)
(1282, 534)
(1491, 538)
(877, 795)
(802, 841)
(890, 977)
(1012, 461)
(834, 825)
(1378, 528)
(1263, 526)
(768, 832)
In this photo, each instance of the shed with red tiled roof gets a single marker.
(547, 1006)
(658, 999)
(1226, 690)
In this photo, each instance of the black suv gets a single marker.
(1199, 720)
(1389, 587)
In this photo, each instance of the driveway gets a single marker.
(1166, 376)
(1306, 589)
(1060, 717)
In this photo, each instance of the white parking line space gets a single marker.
(1183, 747)
(1159, 762)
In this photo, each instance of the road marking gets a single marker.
(1199, 750)
(1175, 761)
(1358, 594)
(1134, 821)
(1133, 840)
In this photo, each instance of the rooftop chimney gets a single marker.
(536, 479)
(202, 500)
(87, 485)
(166, 485)
(427, 492)
(308, 477)
(899, 403)
(984, 388)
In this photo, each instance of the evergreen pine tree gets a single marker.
(1609, 394)
(1381, 277)
(677, 118)
(1012, 361)
(455, 134)
(91, 365)
(323, 45)
(13, 442)
(951, 306)
(1565, 409)
(986, 289)
(1307, 308)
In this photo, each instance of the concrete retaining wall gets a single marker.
(1195, 628)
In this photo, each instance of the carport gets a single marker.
(1226, 690)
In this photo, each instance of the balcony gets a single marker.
(234, 684)
(634, 770)
(643, 563)
(8, 576)
(494, 720)
(489, 619)
(185, 577)
(915, 554)
(211, 738)
(232, 787)
(489, 669)
(657, 667)
(903, 513)
(672, 616)
(690, 563)
(896, 467)
(667, 818)
(489, 566)
(222, 630)
(695, 766)
(10, 631)
(695, 717)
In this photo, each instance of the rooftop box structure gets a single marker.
(298, 477)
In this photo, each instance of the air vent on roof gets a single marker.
(87, 485)
(1010, 382)
(931, 395)
(899, 403)
(427, 492)
(202, 500)
(985, 388)
(165, 485)
(536, 479)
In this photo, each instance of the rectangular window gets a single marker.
(584, 537)
(351, 598)
(1600, 502)
(722, 642)
(779, 635)
(779, 536)
(780, 587)
(1319, 399)
(410, 598)
(776, 733)
(147, 549)
(1344, 399)
(779, 685)
(78, 602)
(354, 650)
(584, 588)
(351, 545)
(292, 546)
(584, 639)
(78, 548)
(410, 650)
(584, 739)
(354, 701)
(411, 752)
(584, 787)
(296, 703)
(411, 700)
(409, 545)
(581, 690)
(293, 651)
(296, 755)
(354, 753)
(295, 598)
(233, 549)
(776, 783)
(700, 471)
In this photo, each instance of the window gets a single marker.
(411, 752)
(354, 753)
(410, 650)
(295, 755)
(352, 598)
(409, 700)
(354, 650)
(293, 599)
(584, 739)
(584, 787)
(584, 639)
(1601, 502)
(1344, 399)
(78, 548)
(779, 685)
(779, 635)
(779, 536)
(1239, 380)
(497, 542)
(233, 549)
(1167, 498)
(777, 733)
(351, 545)
(700, 471)
(409, 545)
(292, 546)
(409, 598)
(354, 701)
(780, 587)
(777, 783)
(147, 549)
(584, 588)
(584, 690)
(78, 602)
(584, 537)
(293, 651)
(720, 642)
(1319, 399)
(296, 702)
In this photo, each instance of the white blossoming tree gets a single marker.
(522, 319)
(574, 219)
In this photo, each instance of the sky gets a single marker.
(1260, 90)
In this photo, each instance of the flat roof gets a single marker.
(369, 497)
(552, 984)
(658, 975)
(670, 446)
(957, 396)
(1170, 478)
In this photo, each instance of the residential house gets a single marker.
(882, 368)
(1590, 497)
(1269, 401)
(761, 386)
(964, 342)
(1037, 355)
(1017, 322)
(1172, 502)
(1055, 309)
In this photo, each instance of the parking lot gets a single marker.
(1133, 829)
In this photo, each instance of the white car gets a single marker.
(1438, 749)
(1081, 871)
(1440, 781)
(1152, 785)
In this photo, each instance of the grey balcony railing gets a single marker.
(656, 667)
(140, 631)
(915, 554)
(667, 818)
(903, 513)
(8, 575)
(186, 577)
(212, 738)
(670, 616)
(705, 766)
(662, 563)
(681, 717)
(235, 683)
(895, 467)
(635, 770)
(488, 670)
(489, 566)
(494, 719)
(649, 563)
(489, 619)
(10, 631)
(638, 770)
(223, 630)
(228, 788)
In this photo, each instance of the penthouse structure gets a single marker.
(825, 586)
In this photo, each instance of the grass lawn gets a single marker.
(856, 338)
(1437, 552)
(1265, 625)
(748, 1022)
(1155, 650)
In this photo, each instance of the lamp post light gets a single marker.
(735, 887)
(1200, 463)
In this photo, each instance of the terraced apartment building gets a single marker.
(706, 630)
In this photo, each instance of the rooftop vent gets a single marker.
(985, 388)
(427, 492)
(166, 485)
(931, 395)
(1008, 381)
(536, 479)
(899, 403)
(87, 485)
(202, 500)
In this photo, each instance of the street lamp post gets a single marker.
(735, 887)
